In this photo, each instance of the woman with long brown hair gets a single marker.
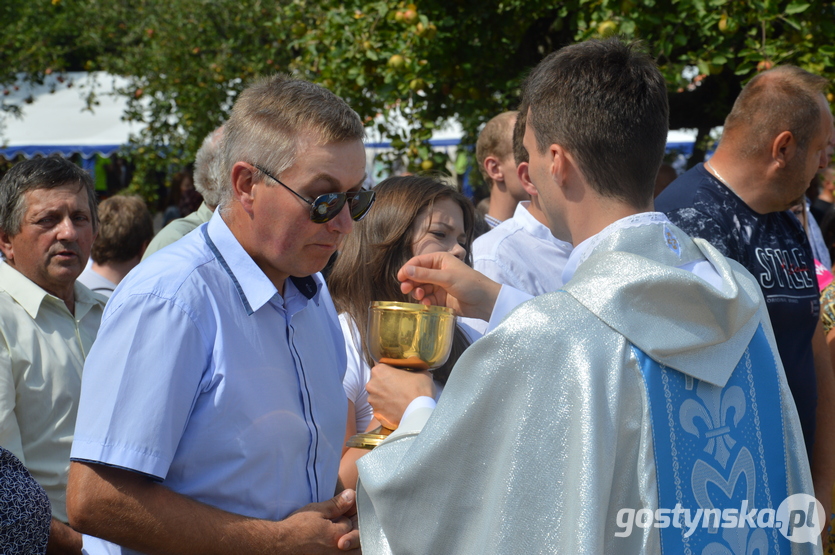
(412, 215)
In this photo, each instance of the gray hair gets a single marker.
(269, 117)
(208, 168)
(40, 173)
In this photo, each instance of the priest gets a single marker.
(640, 409)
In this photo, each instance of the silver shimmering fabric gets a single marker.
(543, 432)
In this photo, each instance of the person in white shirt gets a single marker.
(522, 252)
(412, 215)
(494, 155)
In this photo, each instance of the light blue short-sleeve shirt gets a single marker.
(203, 376)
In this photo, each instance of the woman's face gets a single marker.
(440, 230)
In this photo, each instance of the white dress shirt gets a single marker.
(42, 352)
(521, 252)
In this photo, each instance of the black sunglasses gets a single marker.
(325, 207)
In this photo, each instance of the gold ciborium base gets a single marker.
(369, 440)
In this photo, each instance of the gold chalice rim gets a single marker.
(411, 307)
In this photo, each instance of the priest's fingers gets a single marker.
(426, 294)
(441, 278)
(390, 390)
(421, 282)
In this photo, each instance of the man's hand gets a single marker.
(390, 390)
(132, 510)
(318, 527)
(439, 278)
(63, 540)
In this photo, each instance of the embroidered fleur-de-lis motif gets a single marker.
(714, 410)
(709, 485)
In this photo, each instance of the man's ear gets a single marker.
(6, 245)
(243, 183)
(566, 173)
(493, 169)
(525, 179)
(561, 163)
(783, 149)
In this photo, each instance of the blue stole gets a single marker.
(720, 456)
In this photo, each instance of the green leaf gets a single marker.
(797, 6)
(792, 22)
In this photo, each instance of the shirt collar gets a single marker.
(582, 251)
(491, 221)
(85, 300)
(253, 285)
(534, 226)
(30, 295)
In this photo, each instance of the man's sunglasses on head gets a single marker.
(325, 207)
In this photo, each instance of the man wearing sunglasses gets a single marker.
(212, 411)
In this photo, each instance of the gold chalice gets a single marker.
(408, 336)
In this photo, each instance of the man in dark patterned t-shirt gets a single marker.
(775, 140)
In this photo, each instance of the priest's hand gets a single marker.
(390, 390)
(440, 278)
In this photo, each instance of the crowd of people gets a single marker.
(629, 374)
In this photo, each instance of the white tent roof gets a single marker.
(57, 118)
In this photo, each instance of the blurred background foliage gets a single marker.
(426, 62)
